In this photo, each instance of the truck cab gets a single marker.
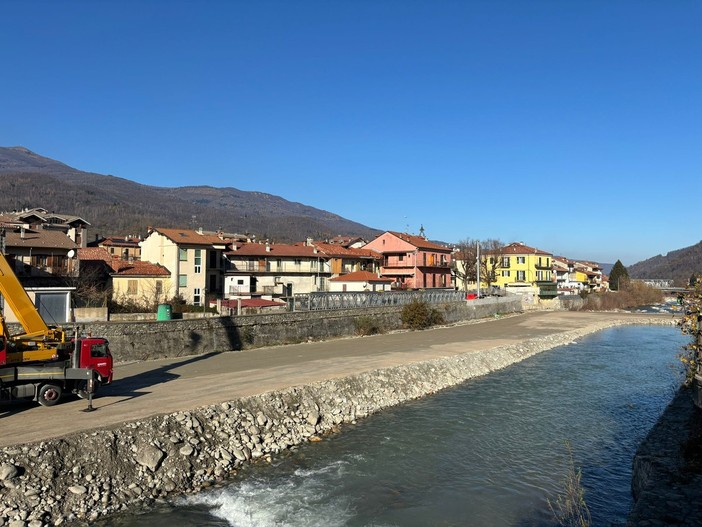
(95, 355)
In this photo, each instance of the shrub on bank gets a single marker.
(630, 294)
(420, 315)
(366, 325)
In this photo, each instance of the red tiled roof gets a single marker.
(120, 242)
(360, 276)
(122, 267)
(419, 241)
(275, 249)
(94, 253)
(138, 268)
(338, 251)
(518, 248)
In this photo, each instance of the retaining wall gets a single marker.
(176, 338)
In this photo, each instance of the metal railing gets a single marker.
(354, 300)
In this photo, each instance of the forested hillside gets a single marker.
(679, 265)
(119, 206)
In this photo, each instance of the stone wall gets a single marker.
(176, 338)
(667, 476)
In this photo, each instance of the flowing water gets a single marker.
(489, 452)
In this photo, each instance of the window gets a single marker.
(521, 259)
(99, 350)
(196, 296)
(298, 262)
(279, 264)
(182, 255)
(240, 281)
(505, 261)
(182, 280)
(198, 260)
(132, 287)
(401, 258)
(159, 288)
(505, 273)
(314, 264)
(521, 276)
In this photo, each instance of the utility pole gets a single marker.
(477, 265)
(698, 357)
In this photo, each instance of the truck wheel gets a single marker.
(49, 394)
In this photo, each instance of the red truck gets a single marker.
(43, 362)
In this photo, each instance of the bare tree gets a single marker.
(492, 259)
(464, 262)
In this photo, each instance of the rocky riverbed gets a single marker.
(77, 479)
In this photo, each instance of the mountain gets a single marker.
(678, 265)
(117, 206)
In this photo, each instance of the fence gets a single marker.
(353, 300)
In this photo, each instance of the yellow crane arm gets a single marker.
(20, 303)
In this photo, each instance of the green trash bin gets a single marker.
(165, 312)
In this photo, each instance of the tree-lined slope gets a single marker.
(116, 205)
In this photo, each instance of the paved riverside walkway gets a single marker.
(143, 389)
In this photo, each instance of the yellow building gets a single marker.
(519, 268)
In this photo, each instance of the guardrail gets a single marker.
(353, 300)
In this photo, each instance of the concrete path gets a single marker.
(144, 389)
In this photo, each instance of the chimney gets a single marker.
(22, 233)
(268, 247)
(309, 242)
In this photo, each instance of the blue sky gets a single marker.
(571, 126)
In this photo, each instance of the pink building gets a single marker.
(413, 262)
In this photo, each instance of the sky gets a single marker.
(574, 127)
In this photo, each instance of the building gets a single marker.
(343, 260)
(568, 281)
(39, 219)
(412, 261)
(282, 270)
(522, 269)
(267, 270)
(137, 282)
(124, 247)
(195, 260)
(360, 281)
(40, 253)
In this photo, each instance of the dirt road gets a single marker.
(148, 388)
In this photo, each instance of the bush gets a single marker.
(631, 294)
(419, 315)
(366, 325)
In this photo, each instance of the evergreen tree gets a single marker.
(618, 276)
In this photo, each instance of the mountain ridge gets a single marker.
(679, 265)
(115, 205)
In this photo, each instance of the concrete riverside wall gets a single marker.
(79, 478)
(178, 338)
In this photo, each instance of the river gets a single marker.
(489, 452)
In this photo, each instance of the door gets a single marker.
(53, 307)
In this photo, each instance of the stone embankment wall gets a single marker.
(178, 338)
(667, 483)
(77, 479)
